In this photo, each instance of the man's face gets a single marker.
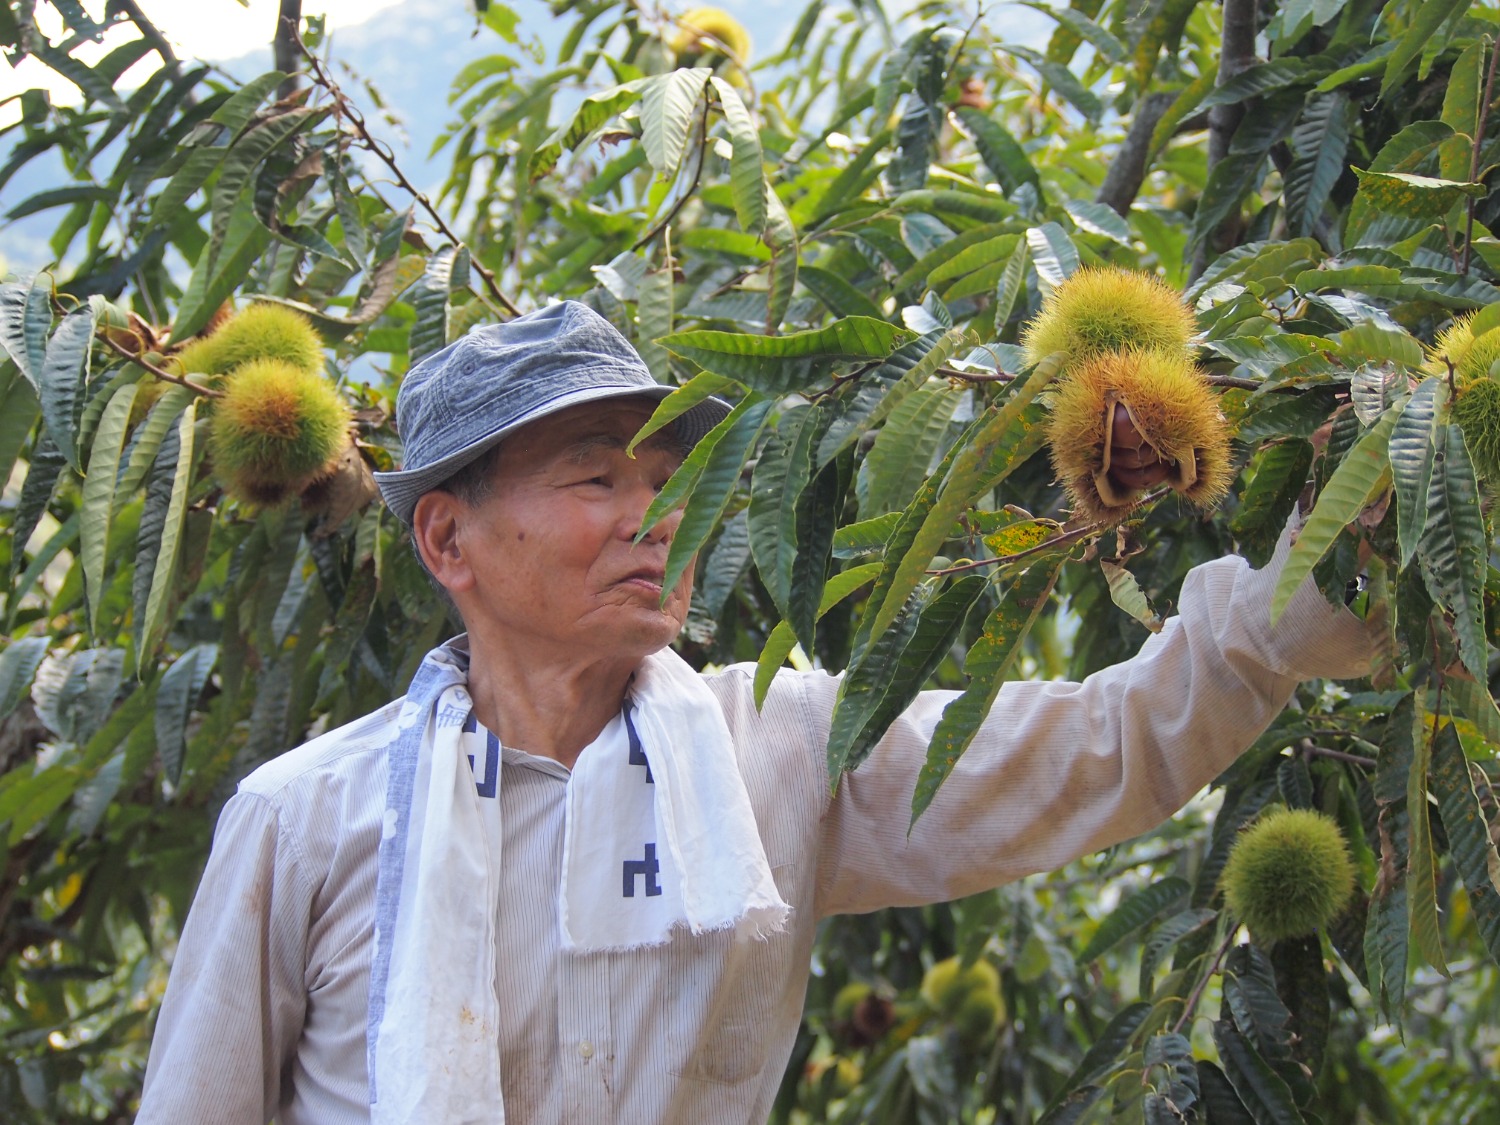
(549, 553)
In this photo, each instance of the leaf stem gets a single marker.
(688, 191)
(1198, 989)
(383, 153)
(206, 392)
(1066, 539)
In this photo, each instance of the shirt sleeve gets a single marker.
(1059, 770)
(235, 999)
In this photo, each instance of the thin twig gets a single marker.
(978, 376)
(1484, 114)
(1314, 751)
(687, 192)
(206, 392)
(1066, 539)
(384, 154)
(1198, 989)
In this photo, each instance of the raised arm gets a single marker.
(1063, 769)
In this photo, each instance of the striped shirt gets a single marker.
(265, 1008)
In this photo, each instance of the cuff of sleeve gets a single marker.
(1312, 639)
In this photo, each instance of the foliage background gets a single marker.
(845, 233)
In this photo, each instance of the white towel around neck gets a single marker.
(434, 1016)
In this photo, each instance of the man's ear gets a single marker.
(435, 525)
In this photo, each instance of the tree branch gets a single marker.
(1236, 55)
(286, 45)
(383, 153)
(1127, 172)
(206, 392)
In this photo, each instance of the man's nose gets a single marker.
(641, 496)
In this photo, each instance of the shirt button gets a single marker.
(586, 1049)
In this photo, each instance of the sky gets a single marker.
(205, 29)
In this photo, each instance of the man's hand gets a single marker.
(1134, 465)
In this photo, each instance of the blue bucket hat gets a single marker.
(458, 402)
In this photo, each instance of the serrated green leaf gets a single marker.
(987, 665)
(702, 386)
(1086, 29)
(1102, 1056)
(782, 475)
(1264, 1093)
(447, 272)
(1421, 863)
(1052, 253)
(1008, 288)
(19, 410)
(1469, 840)
(782, 640)
(746, 174)
(781, 277)
(972, 472)
(19, 661)
(1133, 913)
(866, 536)
(1453, 550)
(713, 486)
(1360, 477)
(837, 295)
(1411, 453)
(953, 260)
(215, 278)
(1167, 935)
(1168, 18)
(164, 565)
(1426, 18)
(1478, 706)
(883, 688)
(1001, 152)
(1411, 196)
(1265, 78)
(146, 440)
(1062, 80)
(669, 106)
(1281, 472)
(97, 511)
(906, 446)
(878, 391)
(893, 69)
(654, 309)
(1321, 140)
(592, 112)
(1176, 1096)
(779, 364)
(1463, 101)
(245, 155)
(63, 376)
(1098, 218)
(180, 687)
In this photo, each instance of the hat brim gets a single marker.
(403, 488)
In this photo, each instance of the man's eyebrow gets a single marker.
(585, 447)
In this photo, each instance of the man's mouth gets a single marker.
(646, 577)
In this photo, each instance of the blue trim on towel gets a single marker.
(405, 750)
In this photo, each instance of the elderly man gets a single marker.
(566, 878)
